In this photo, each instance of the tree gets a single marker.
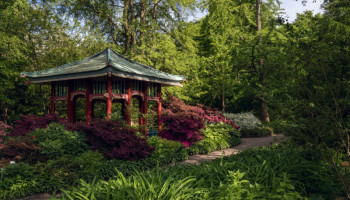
(320, 59)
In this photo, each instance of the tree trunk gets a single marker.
(154, 15)
(133, 24)
(126, 26)
(258, 15)
(143, 26)
(264, 115)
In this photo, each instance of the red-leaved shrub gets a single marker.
(174, 105)
(183, 122)
(183, 128)
(114, 139)
(21, 148)
(32, 122)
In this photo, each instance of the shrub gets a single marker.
(217, 136)
(167, 151)
(31, 122)
(114, 140)
(174, 105)
(256, 132)
(221, 130)
(56, 174)
(3, 133)
(88, 165)
(55, 141)
(183, 128)
(21, 148)
(17, 180)
(245, 120)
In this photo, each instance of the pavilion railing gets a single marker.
(118, 86)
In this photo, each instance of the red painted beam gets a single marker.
(159, 91)
(88, 104)
(53, 94)
(109, 98)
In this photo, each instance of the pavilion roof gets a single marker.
(101, 64)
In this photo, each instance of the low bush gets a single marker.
(55, 141)
(88, 165)
(21, 148)
(114, 140)
(31, 122)
(173, 105)
(17, 180)
(217, 137)
(260, 173)
(245, 120)
(167, 151)
(256, 132)
(183, 128)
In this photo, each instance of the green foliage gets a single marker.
(256, 132)
(277, 172)
(217, 137)
(245, 120)
(17, 180)
(55, 141)
(142, 186)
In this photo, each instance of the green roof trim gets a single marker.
(107, 61)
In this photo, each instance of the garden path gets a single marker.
(246, 143)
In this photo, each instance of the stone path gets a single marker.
(246, 143)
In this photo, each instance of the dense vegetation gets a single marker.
(241, 57)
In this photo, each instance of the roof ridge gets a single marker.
(144, 66)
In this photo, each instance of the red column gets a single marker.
(88, 104)
(159, 106)
(128, 102)
(109, 98)
(144, 107)
(53, 94)
(70, 103)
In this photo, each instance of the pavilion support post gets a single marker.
(127, 106)
(70, 103)
(109, 98)
(159, 91)
(88, 104)
(53, 94)
(144, 107)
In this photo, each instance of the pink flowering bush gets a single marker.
(209, 115)
(29, 123)
(184, 122)
(183, 128)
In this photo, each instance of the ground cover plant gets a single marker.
(277, 172)
(59, 154)
(216, 137)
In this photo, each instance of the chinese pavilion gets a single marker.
(106, 76)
